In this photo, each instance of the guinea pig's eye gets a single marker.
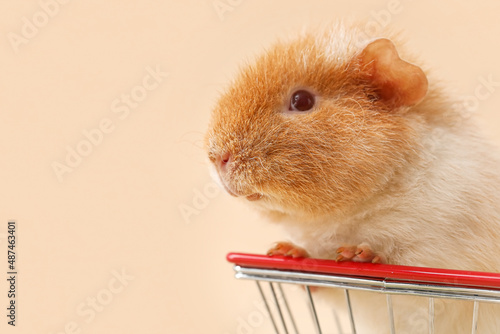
(301, 100)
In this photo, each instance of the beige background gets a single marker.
(119, 209)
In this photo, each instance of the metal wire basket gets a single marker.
(390, 280)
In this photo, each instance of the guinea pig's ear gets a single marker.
(397, 82)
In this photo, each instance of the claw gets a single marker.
(360, 253)
(287, 249)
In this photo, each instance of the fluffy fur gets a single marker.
(416, 183)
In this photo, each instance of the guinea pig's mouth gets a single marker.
(251, 197)
(216, 175)
(254, 197)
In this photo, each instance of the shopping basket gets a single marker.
(478, 287)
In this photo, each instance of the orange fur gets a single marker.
(349, 141)
(406, 175)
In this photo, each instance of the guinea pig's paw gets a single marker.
(360, 253)
(285, 248)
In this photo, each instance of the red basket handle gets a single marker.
(368, 270)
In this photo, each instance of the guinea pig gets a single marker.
(362, 156)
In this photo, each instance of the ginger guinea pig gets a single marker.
(362, 156)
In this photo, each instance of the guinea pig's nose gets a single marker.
(224, 161)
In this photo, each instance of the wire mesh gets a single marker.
(475, 287)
